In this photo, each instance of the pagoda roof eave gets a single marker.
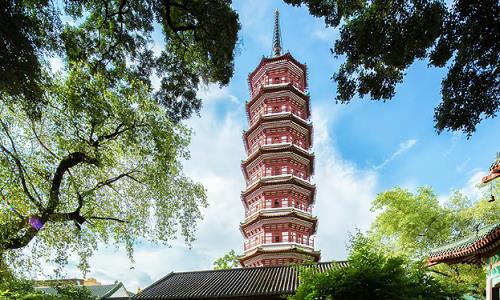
(277, 87)
(277, 117)
(282, 180)
(289, 148)
(315, 254)
(287, 55)
(292, 213)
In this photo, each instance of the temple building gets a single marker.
(279, 226)
(481, 248)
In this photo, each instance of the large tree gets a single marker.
(92, 153)
(381, 39)
(102, 165)
(413, 224)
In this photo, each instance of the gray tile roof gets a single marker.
(229, 284)
(99, 291)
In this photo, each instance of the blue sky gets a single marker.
(362, 148)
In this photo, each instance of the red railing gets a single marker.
(287, 173)
(268, 241)
(261, 207)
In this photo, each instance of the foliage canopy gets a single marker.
(381, 39)
(412, 224)
(371, 274)
(115, 37)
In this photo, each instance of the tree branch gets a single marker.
(65, 164)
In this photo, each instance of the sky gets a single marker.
(361, 149)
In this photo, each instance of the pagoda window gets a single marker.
(268, 203)
(276, 80)
(277, 171)
(277, 203)
(269, 238)
(284, 170)
(276, 109)
(285, 236)
(276, 140)
(276, 238)
(283, 139)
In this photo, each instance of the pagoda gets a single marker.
(279, 226)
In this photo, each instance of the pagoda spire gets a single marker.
(277, 35)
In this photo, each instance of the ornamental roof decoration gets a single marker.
(276, 35)
(471, 249)
(494, 171)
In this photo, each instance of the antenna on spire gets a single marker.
(277, 35)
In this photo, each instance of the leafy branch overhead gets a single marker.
(381, 39)
(115, 37)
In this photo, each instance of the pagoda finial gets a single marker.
(277, 35)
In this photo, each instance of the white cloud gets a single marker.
(344, 192)
(403, 147)
(471, 188)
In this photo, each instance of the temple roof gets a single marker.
(239, 283)
(471, 249)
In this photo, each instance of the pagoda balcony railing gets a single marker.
(280, 143)
(287, 111)
(305, 178)
(295, 84)
(304, 242)
(284, 207)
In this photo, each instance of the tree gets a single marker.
(114, 37)
(381, 39)
(413, 224)
(372, 274)
(102, 165)
(92, 153)
(228, 261)
(24, 290)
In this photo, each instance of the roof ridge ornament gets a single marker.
(277, 35)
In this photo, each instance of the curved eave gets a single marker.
(278, 149)
(269, 119)
(276, 181)
(473, 249)
(294, 213)
(315, 254)
(278, 87)
(290, 187)
(267, 60)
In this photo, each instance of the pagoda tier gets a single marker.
(279, 226)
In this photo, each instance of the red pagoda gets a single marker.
(278, 226)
